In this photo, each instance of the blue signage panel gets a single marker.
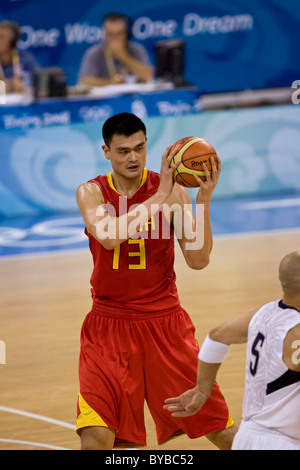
(232, 45)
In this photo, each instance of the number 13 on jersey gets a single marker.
(139, 253)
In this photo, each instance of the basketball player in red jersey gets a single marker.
(138, 342)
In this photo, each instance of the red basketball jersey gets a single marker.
(139, 273)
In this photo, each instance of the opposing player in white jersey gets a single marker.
(271, 408)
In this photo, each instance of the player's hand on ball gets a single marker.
(166, 171)
(207, 187)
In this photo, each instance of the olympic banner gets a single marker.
(232, 45)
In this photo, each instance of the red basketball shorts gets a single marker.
(127, 358)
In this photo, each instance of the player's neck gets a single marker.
(292, 301)
(125, 186)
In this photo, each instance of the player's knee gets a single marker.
(97, 439)
(223, 439)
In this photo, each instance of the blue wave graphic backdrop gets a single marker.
(41, 168)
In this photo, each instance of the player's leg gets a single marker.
(110, 407)
(223, 439)
(171, 369)
(97, 438)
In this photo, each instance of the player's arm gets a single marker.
(234, 330)
(110, 230)
(194, 234)
(291, 349)
(89, 197)
(106, 228)
(212, 354)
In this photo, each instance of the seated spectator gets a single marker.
(116, 60)
(15, 66)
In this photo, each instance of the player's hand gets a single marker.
(186, 404)
(206, 188)
(166, 172)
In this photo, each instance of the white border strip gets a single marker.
(280, 231)
(39, 417)
(54, 253)
(40, 254)
(35, 444)
(272, 204)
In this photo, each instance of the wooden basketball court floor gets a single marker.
(44, 299)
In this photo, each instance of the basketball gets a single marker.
(193, 152)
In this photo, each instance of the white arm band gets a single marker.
(213, 351)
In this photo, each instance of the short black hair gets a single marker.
(122, 124)
(114, 17)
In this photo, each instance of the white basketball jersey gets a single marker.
(272, 391)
